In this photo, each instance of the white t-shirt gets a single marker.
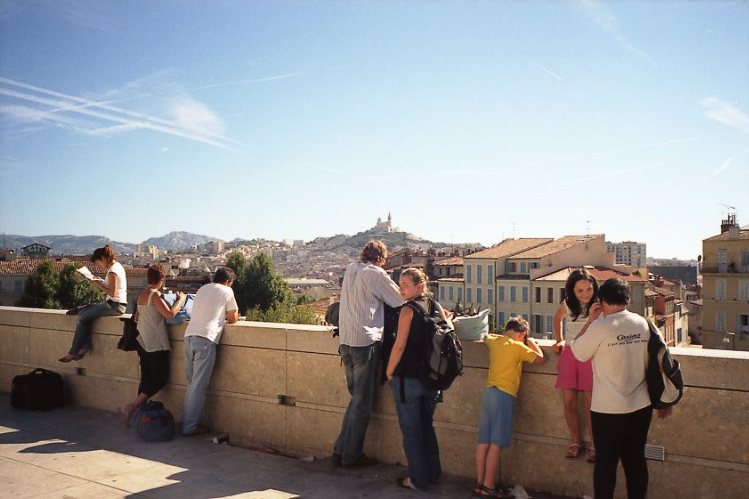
(120, 294)
(212, 301)
(572, 327)
(618, 345)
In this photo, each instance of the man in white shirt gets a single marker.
(365, 288)
(617, 342)
(213, 307)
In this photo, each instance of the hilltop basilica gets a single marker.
(387, 227)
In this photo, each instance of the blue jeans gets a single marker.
(360, 364)
(82, 336)
(200, 357)
(415, 417)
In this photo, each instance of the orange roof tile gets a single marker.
(510, 247)
(454, 260)
(600, 274)
(555, 246)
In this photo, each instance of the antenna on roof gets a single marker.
(587, 227)
(513, 230)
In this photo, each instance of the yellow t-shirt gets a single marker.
(506, 357)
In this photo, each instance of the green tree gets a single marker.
(264, 287)
(286, 312)
(40, 288)
(238, 263)
(73, 291)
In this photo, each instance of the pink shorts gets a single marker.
(573, 374)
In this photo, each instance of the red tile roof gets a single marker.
(510, 247)
(453, 260)
(555, 246)
(600, 274)
(27, 267)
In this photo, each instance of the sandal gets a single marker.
(405, 483)
(591, 454)
(483, 491)
(573, 450)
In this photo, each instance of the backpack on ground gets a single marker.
(443, 359)
(663, 374)
(40, 390)
(154, 422)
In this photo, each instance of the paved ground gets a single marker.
(84, 453)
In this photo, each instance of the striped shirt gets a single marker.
(362, 316)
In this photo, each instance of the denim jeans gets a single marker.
(360, 364)
(82, 336)
(415, 416)
(200, 357)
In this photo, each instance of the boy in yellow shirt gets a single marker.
(507, 352)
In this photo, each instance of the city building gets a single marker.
(35, 250)
(385, 226)
(146, 250)
(725, 288)
(629, 253)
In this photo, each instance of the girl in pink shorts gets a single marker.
(575, 377)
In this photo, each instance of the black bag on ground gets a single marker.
(128, 341)
(443, 361)
(154, 422)
(663, 374)
(40, 390)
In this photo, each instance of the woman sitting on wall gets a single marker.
(153, 340)
(114, 286)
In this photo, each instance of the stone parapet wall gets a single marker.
(261, 365)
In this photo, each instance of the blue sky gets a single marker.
(469, 121)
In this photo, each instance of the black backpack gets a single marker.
(663, 375)
(389, 332)
(332, 314)
(443, 358)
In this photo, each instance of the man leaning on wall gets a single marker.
(365, 288)
(214, 306)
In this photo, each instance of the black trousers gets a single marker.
(621, 436)
(154, 371)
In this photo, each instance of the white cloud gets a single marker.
(608, 22)
(193, 115)
(722, 111)
(728, 162)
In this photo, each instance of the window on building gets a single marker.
(490, 274)
(744, 290)
(501, 321)
(743, 323)
(469, 272)
(720, 289)
(511, 266)
(513, 294)
(460, 294)
(442, 293)
(538, 324)
(469, 295)
(490, 296)
(450, 294)
(549, 295)
(478, 295)
(720, 321)
(678, 336)
(525, 294)
(500, 294)
(525, 316)
(18, 286)
(478, 274)
(522, 267)
(562, 295)
(549, 324)
(538, 294)
(722, 260)
(745, 260)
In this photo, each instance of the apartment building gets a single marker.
(629, 253)
(725, 288)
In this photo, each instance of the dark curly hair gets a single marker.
(573, 304)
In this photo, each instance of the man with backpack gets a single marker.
(617, 342)
(365, 288)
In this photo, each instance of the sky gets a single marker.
(468, 121)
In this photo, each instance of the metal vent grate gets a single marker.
(655, 452)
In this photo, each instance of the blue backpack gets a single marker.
(154, 422)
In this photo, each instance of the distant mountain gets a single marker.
(178, 240)
(65, 245)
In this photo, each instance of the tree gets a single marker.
(238, 263)
(73, 291)
(264, 287)
(41, 287)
